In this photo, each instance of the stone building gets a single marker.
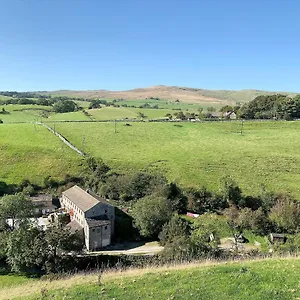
(91, 216)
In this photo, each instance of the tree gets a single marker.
(286, 214)
(180, 115)
(57, 241)
(141, 115)
(15, 207)
(204, 241)
(64, 106)
(169, 116)
(230, 191)
(175, 229)
(29, 247)
(211, 109)
(177, 199)
(226, 108)
(24, 249)
(202, 200)
(150, 214)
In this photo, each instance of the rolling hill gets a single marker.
(172, 93)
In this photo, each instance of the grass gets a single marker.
(26, 153)
(199, 154)
(261, 279)
(71, 116)
(167, 104)
(10, 280)
(23, 113)
(111, 113)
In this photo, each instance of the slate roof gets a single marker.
(81, 198)
(96, 223)
(74, 226)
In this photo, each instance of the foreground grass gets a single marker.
(262, 279)
(32, 152)
(11, 280)
(199, 154)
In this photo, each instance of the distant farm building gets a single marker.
(91, 216)
(44, 205)
(230, 115)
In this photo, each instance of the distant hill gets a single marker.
(172, 93)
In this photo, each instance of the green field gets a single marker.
(193, 154)
(263, 279)
(29, 153)
(71, 116)
(23, 113)
(167, 104)
(199, 154)
(112, 113)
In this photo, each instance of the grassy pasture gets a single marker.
(71, 116)
(22, 113)
(111, 113)
(199, 154)
(261, 279)
(166, 104)
(26, 153)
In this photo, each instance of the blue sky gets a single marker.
(123, 44)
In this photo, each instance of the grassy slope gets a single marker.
(22, 113)
(110, 113)
(33, 154)
(263, 279)
(71, 116)
(200, 154)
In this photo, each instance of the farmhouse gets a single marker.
(91, 216)
(230, 115)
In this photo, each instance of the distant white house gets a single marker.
(230, 115)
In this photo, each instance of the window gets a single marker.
(106, 211)
(93, 229)
(105, 227)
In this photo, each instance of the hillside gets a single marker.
(261, 279)
(172, 93)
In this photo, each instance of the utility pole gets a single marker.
(115, 126)
(54, 127)
(242, 125)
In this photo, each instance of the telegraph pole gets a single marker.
(115, 126)
(242, 125)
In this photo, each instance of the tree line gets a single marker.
(148, 207)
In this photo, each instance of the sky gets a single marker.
(125, 44)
